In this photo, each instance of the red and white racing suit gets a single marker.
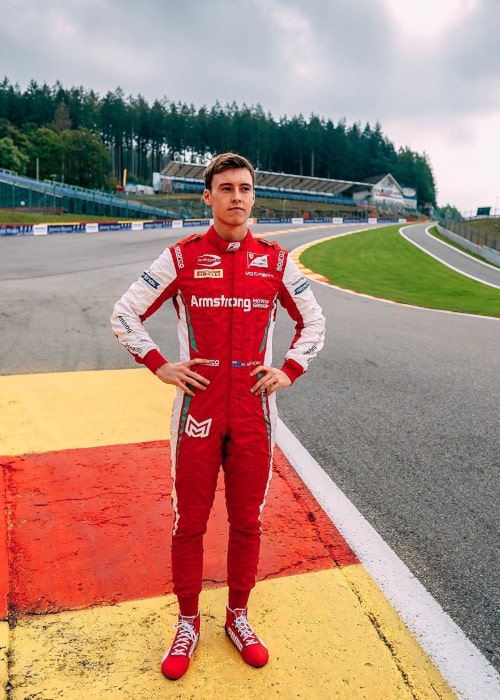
(225, 295)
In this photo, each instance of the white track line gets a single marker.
(462, 665)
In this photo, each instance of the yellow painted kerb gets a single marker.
(323, 644)
(67, 410)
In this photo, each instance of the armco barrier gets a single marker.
(489, 254)
(48, 229)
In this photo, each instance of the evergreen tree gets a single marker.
(142, 137)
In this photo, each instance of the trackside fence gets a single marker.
(478, 242)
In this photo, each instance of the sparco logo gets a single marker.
(281, 260)
(221, 302)
(178, 255)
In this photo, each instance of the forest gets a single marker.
(76, 136)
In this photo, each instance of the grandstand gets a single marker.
(181, 180)
(188, 177)
(49, 196)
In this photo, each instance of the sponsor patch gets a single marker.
(208, 260)
(197, 429)
(281, 260)
(254, 260)
(222, 302)
(125, 324)
(251, 363)
(310, 350)
(260, 303)
(301, 288)
(133, 349)
(150, 280)
(208, 273)
(235, 245)
(254, 273)
(178, 255)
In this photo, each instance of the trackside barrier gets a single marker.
(484, 251)
(48, 229)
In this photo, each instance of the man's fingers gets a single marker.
(198, 379)
(271, 380)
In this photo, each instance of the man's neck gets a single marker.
(231, 233)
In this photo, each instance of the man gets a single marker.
(225, 285)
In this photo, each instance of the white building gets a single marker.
(385, 192)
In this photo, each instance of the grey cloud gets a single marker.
(334, 58)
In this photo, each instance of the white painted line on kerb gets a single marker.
(462, 665)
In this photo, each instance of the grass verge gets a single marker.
(383, 264)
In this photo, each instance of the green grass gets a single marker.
(380, 262)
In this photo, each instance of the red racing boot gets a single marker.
(176, 660)
(253, 650)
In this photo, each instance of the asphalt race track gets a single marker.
(401, 410)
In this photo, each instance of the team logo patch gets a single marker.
(254, 260)
(208, 273)
(198, 430)
(301, 288)
(235, 245)
(152, 282)
(208, 260)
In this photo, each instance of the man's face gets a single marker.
(231, 197)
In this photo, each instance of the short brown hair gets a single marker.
(225, 161)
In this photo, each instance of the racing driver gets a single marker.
(225, 286)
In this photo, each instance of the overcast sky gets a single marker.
(427, 70)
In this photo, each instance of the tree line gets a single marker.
(75, 135)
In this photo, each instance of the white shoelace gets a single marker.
(243, 627)
(186, 635)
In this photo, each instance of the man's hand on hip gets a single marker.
(183, 375)
(271, 380)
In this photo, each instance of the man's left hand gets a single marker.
(271, 380)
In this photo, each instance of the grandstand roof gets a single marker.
(280, 181)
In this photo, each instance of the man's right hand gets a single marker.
(183, 375)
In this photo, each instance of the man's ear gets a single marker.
(206, 198)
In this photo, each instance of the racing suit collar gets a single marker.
(228, 246)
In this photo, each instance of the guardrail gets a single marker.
(472, 234)
(473, 240)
